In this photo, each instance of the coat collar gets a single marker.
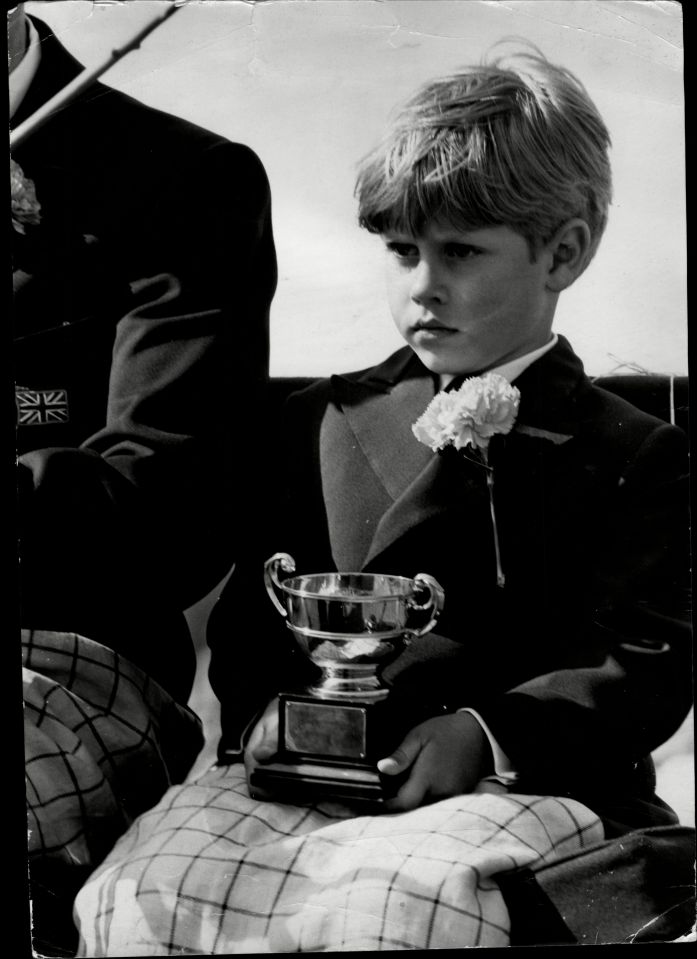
(550, 389)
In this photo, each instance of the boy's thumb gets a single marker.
(400, 759)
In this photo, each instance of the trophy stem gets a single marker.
(355, 682)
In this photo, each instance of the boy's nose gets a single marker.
(427, 284)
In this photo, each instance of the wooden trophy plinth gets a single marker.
(328, 749)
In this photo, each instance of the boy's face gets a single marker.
(468, 301)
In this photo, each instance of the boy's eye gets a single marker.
(402, 250)
(460, 251)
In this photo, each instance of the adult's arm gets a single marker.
(161, 486)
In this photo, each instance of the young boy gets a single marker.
(490, 193)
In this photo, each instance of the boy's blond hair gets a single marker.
(521, 146)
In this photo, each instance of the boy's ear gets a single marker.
(569, 249)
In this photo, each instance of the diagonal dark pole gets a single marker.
(86, 79)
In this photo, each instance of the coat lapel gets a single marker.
(404, 483)
(368, 455)
(446, 483)
(380, 410)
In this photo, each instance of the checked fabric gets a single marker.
(209, 871)
(102, 743)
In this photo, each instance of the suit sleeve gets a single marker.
(253, 653)
(592, 723)
(161, 487)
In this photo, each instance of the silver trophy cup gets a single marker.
(350, 625)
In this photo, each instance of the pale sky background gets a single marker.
(309, 84)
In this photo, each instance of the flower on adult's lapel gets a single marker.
(26, 209)
(468, 418)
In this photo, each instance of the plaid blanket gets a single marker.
(102, 744)
(210, 871)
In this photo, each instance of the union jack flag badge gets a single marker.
(41, 407)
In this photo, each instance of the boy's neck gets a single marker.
(512, 368)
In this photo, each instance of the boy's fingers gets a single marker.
(264, 751)
(411, 795)
(402, 757)
(266, 744)
(256, 740)
(263, 741)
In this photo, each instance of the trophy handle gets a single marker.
(435, 601)
(271, 580)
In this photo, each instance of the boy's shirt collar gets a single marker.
(514, 368)
(21, 78)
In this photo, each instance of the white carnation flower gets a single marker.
(469, 416)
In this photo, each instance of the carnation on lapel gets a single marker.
(468, 417)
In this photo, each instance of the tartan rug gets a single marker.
(103, 743)
(210, 871)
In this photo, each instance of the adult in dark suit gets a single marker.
(141, 328)
(143, 271)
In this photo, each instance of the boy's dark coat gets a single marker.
(581, 664)
(129, 497)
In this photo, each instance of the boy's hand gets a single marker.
(448, 755)
(262, 744)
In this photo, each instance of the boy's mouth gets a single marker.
(432, 327)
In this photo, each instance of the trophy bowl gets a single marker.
(351, 625)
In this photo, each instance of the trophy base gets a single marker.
(328, 749)
(313, 781)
